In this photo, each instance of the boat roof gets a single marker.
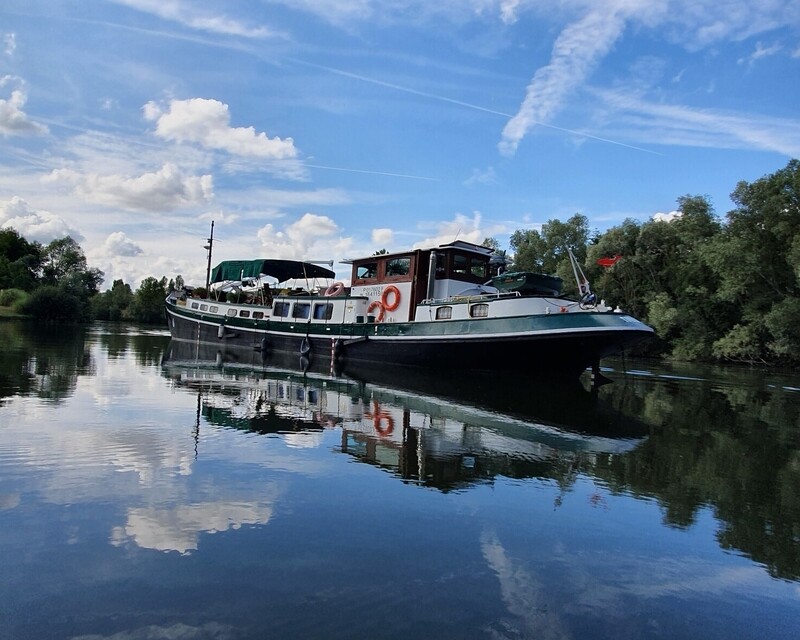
(457, 244)
(281, 270)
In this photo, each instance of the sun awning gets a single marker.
(281, 270)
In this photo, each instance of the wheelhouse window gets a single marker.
(479, 268)
(398, 267)
(444, 313)
(367, 271)
(280, 310)
(460, 264)
(323, 311)
(301, 310)
(479, 310)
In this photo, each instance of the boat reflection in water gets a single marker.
(426, 429)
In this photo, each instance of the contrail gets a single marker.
(461, 103)
(375, 173)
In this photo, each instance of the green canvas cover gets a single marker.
(281, 270)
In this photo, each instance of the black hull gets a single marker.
(561, 354)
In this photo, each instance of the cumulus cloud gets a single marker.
(41, 226)
(312, 237)
(383, 237)
(13, 120)
(118, 244)
(666, 217)
(207, 122)
(459, 228)
(163, 190)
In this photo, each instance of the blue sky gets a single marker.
(328, 129)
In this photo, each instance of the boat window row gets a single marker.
(299, 310)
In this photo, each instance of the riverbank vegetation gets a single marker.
(714, 289)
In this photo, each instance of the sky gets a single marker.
(330, 129)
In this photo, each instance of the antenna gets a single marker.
(208, 247)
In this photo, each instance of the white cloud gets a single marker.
(178, 528)
(481, 177)
(190, 15)
(459, 228)
(311, 237)
(13, 120)
(574, 55)
(118, 244)
(41, 226)
(382, 237)
(760, 52)
(10, 41)
(163, 190)
(659, 123)
(207, 122)
(666, 217)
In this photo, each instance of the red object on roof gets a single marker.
(609, 262)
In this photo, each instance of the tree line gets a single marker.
(714, 290)
(53, 282)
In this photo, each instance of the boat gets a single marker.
(435, 308)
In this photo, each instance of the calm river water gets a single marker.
(146, 496)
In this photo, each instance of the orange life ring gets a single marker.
(385, 297)
(377, 423)
(335, 289)
(376, 304)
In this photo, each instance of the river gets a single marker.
(147, 495)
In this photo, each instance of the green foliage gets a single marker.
(19, 261)
(114, 303)
(148, 301)
(12, 297)
(54, 304)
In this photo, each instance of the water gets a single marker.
(217, 501)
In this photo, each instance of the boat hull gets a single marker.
(546, 344)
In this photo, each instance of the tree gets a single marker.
(19, 261)
(113, 304)
(148, 301)
(64, 265)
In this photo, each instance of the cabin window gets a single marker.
(479, 310)
(203, 307)
(194, 305)
(280, 310)
(479, 268)
(231, 312)
(258, 315)
(323, 311)
(214, 309)
(367, 271)
(444, 313)
(301, 310)
(398, 267)
(244, 313)
(459, 264)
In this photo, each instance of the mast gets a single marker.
(208, 248)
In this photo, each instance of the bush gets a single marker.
(53, 304)
(10, 297)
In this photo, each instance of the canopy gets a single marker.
(281, 270)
